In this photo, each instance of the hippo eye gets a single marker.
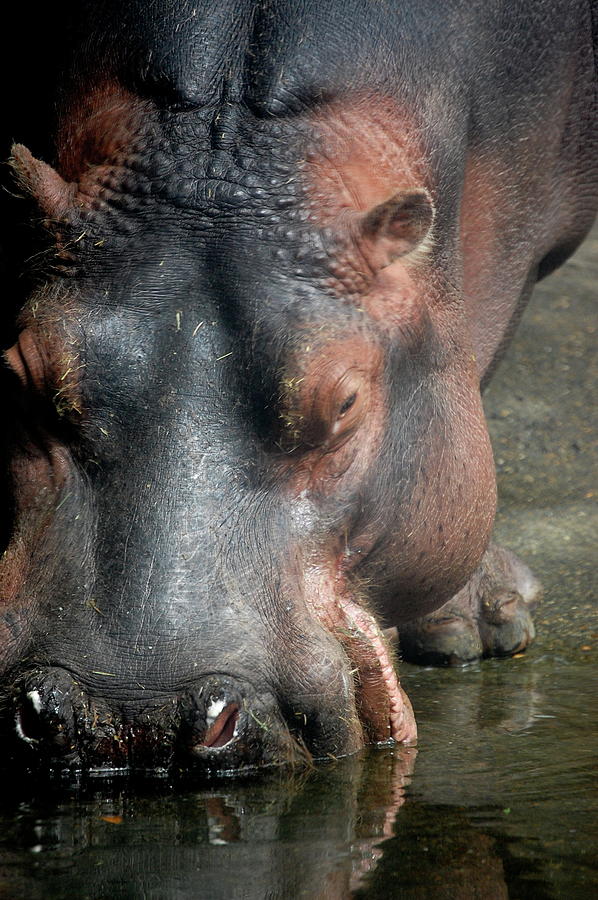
(324, 403)
(346, 405)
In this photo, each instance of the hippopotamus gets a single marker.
(260, 260)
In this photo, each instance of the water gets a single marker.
(499, 801)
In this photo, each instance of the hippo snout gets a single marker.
(218, 725)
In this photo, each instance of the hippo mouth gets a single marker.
(384, 709)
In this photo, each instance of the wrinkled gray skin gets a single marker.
(168, 558)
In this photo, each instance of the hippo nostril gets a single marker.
(44, 714)
(222, 724)
(27, 721)
(215, 717)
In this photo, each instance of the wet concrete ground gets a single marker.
(542, 408)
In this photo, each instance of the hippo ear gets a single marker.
(53, 194)
(398, 226)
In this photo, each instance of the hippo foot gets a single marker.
(490, 616)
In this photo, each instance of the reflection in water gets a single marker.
(438, 854)
(311, 836)
(503, 803)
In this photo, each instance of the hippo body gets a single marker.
(261, 257)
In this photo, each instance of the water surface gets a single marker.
(500, 800)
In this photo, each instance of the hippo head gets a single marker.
(242, 417)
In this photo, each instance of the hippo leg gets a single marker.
(490, 616)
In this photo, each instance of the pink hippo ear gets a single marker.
(400, 225)
(53, 194)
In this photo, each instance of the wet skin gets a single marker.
(243, 399)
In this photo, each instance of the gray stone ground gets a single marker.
(542, 408)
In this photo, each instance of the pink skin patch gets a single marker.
(384, 708)
(96, 140)
(105, 122)
(365, 149)
(388, 713)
